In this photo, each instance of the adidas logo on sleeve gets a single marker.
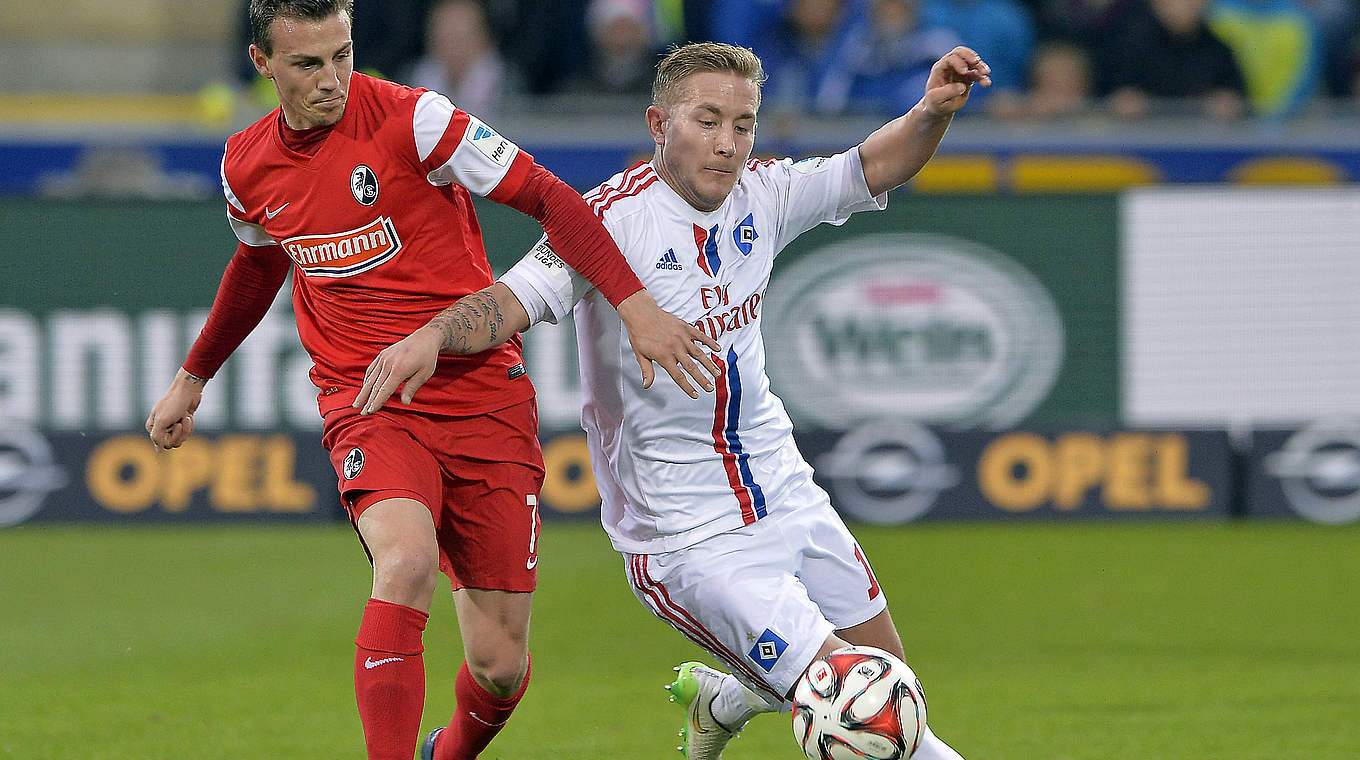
(668, 260)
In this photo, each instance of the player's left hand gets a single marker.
(669, 341)
(952, 78)
(411, 360)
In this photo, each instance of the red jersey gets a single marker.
(382, 235)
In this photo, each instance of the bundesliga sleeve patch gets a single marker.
(490, 144)
(545, 255)
(810, 164)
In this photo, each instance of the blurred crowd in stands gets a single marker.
(1129, 59)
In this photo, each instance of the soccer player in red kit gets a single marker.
(362, 189)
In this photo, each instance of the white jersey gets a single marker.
(673, 470)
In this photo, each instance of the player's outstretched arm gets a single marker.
(252, 279)
(172, 418)
(473, 324)
(897, 150)
(661, 337)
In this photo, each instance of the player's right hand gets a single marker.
(676, 345)
(411, 360)
(172, 418)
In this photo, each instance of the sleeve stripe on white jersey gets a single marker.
(432, 116)
(606, 188)
(637, 184)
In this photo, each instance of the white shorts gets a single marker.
(764, 598)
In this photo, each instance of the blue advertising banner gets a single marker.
(1311, 472)
(64, 476)
(891, 472)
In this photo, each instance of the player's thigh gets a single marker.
(377, 459)
(399, 536)
(737, 596)
(493, 474)
(878, 631)
(834, 568)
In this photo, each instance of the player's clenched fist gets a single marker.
(172, 418)
(952, 78)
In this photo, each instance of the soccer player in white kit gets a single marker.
(724, 533)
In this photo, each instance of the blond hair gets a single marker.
(698, 57)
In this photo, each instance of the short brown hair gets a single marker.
(263, 13)
(698, 57)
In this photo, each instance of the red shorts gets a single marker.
(479, 476)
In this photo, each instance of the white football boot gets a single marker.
(695, 687)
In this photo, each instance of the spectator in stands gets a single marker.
(1337, 22)
(545, 42)
(1352, 71)
(800, 48)
(746, 22)
(1277, 46)
(1090, 23)
(461, 60)
(622, 49)
(882, 61)
(1060, 85)
(1171, 53)
(1001, 31)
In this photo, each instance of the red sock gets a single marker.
(389, 678)
(479, 717)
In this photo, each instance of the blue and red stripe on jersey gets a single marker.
(727, 441)
(707, 243)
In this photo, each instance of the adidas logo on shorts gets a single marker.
(669, 261)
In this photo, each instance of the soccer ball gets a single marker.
(858, 702)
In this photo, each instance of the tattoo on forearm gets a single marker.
(474, 315)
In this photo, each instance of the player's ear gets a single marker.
(656, 124)
(261, 61)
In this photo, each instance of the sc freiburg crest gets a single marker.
(354, 464)
(364, 184)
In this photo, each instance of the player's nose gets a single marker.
(725, 145)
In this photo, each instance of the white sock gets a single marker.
(933, 749)
(736, 704)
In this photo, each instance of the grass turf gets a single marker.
(1171, 641)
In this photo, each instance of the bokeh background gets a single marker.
(1118, 309)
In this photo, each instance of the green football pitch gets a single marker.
(1168, 641)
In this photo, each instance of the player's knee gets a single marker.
(408, 574)
(501, 673)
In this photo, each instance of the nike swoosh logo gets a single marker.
(530, 563)
(271, 214)
(370, 663)
(698, 728)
